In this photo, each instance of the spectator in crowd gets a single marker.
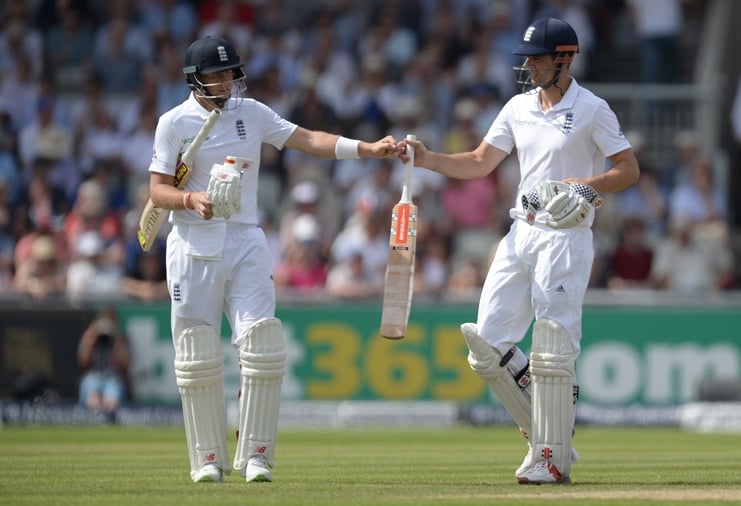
(104, 357)
(470, 207)
(350, 279)
(99, 139)
(371, 235)
(303, 267)
(42, 275)
(266, 221)
(230, 19)
(177, 19)
(121, 50)
(20, 41)
(89, 275)
(20, 90)
(91, 212)
(698, 198)
(647, 199)
(462, 133)
(431, 266)
(10, 169)
(307, 198)
(485, 67)
(7, 237)
(388, 38)
(687, 151)
(47, 141)
(68, 45)
(168, 77)
(466, 277)
(46, 205)
(630, 262)
(658, 27)
(136, 156)
(684, 264)
(145, 277)
(374, 188)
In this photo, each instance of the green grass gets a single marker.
(462, 466)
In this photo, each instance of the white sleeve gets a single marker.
(500, 134)
(166, 147)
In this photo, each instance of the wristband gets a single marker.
(347, 149)
(186, 201)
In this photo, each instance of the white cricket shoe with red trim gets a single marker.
(527, 462)
(542, 473)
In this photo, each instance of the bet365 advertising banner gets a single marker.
(630, 356)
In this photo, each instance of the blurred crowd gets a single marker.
(83, 82)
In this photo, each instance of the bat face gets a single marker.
(397, 296)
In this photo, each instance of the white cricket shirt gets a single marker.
(572, 139)
(245, 124)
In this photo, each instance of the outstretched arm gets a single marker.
(326, 145)
(467, 165)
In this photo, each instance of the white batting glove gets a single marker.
(567, 204)
(540, 196)
(225, 190)
(568, 210)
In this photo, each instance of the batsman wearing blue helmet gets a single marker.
(562, 134)
(218, 260)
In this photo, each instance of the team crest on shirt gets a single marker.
(241, 130)
(568, 123)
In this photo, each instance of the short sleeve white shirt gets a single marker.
(572, 139)
(244, 125)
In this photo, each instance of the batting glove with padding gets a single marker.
(225, 190)
(567, 204)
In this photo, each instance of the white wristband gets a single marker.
(346, 149)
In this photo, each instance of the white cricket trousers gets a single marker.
(216, 269)
(537, 272)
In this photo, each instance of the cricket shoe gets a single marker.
(209, 473)
(527, 462)
(542, 473)
(257, 469)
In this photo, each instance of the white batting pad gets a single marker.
(262, 358)
(487, 363)
(199, 370)
(552, 369)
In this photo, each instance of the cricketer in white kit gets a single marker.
(562, 134)
(218, 259)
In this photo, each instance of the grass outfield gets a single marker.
(467, 466)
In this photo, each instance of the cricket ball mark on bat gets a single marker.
(399, 282)
(153, 217)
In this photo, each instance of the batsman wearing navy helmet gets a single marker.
(562, 134)
(218, 260)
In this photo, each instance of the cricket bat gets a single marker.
(399, 283)
(153, 217)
